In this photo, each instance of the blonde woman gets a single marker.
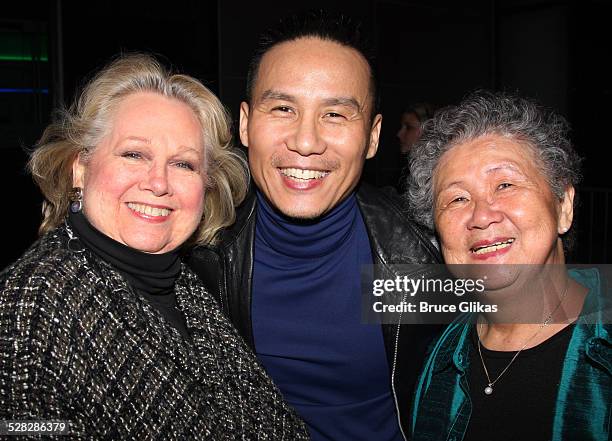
(101, 324)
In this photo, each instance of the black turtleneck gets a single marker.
(151, 275)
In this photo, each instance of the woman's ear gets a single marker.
(566, 212)
(78, 171)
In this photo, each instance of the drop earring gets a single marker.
(76, 199)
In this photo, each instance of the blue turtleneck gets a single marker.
(306, 311)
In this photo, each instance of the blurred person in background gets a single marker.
(411, 124)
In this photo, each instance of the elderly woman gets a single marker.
(101, 324)
(495, 178)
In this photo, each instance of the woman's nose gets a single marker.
(156, 180)
(484, 214)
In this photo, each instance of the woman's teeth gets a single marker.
(493, 247)
(148, 210)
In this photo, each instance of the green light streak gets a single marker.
(10, 57)
(23, 47)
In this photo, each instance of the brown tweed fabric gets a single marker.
(78, 344)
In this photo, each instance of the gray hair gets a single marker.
(486, 113)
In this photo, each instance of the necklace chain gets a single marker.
(489, 389)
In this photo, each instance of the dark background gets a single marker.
(436, 51)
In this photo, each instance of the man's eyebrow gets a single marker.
(276, 95)
(333, 101)
(343, 101)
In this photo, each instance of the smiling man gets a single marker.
(288, 272)
(309, 125)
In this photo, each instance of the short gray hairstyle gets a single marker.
(487, 113)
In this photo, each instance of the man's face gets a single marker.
(308, 128)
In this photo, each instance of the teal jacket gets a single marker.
(442, 405)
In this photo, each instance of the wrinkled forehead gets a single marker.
(487, 154)
(315, 63)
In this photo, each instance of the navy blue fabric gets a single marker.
(307, 328)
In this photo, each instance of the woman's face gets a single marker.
(143, 185)
(409, 132)
(493, 205)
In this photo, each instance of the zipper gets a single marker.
(399, 322)
(397, 409)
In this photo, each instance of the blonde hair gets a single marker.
(80, 129)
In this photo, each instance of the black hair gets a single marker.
(320, 24)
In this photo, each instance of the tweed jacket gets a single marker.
(583, 407)
(78, 344)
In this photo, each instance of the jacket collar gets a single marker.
(596, 316)
(245, 213)
(372, 207)
(379, 208)
(454, 345)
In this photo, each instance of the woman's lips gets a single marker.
(486, 249)
(154, 213)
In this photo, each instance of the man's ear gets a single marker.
(78, 171)
(244, 123)
(566, 212)
(374, 136)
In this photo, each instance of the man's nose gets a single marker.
(306, 139)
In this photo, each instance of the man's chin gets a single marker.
(301, 215)
(302, 208)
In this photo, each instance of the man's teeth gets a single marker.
(300, 173)
(148, 210)
(493, 247)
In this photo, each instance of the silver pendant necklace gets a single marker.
(488, 390)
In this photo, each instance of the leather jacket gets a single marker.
(227, 272)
